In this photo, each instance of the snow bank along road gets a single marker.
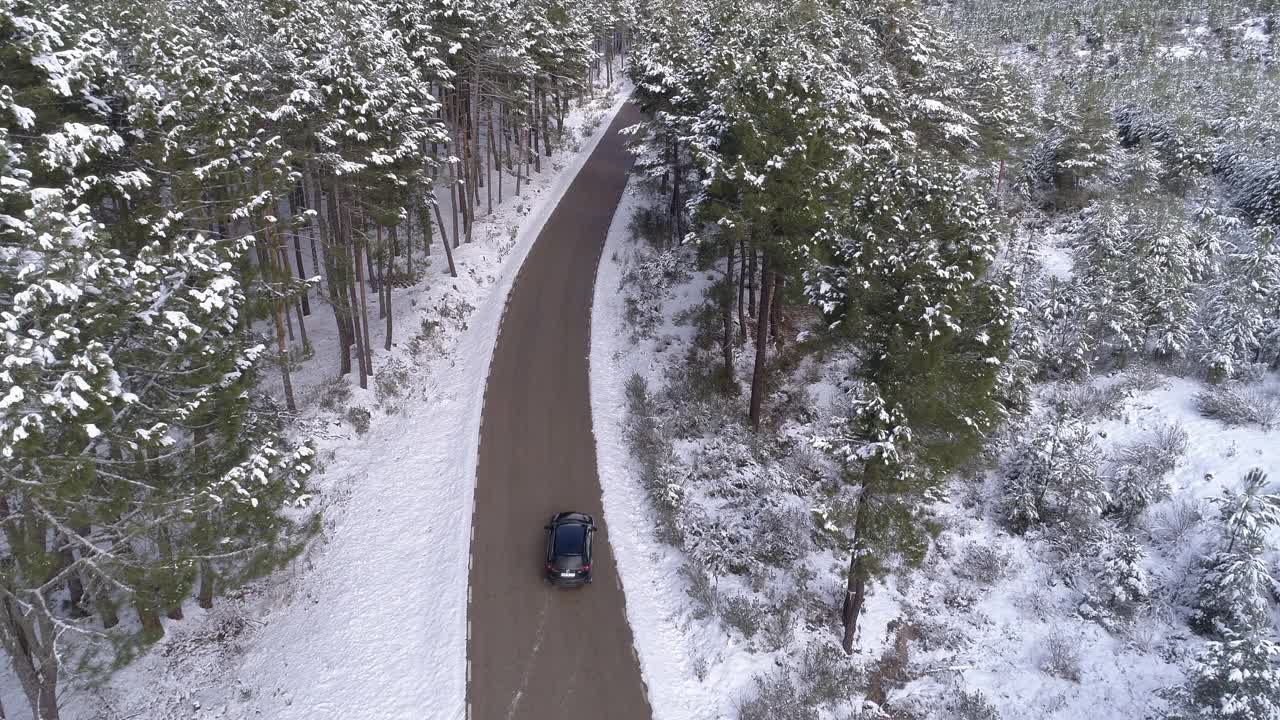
(535, 652)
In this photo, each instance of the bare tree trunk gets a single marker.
(424, 219)
(335, 262)
(675, 194)
(726, 305)
(465, 190)
(496, 144)
(488, 160)
(33, 662)
(364, 309)
(302, 323)
(75, 586)
(152, 628)
(856, 587)
(519, 164)
(386, 284)
(448, 251)
(534, 118)
(751, 284)
(278, 309)
(353, 288)
(381, 276)
(762, 342)
(453, 198)
(544, 124)
(101, 599)
(208, 580)
(775, 310)
(288, 276)
(555, 101)
(742, 278)
(306, 294)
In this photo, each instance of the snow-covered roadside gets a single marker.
(370, 622)
(658, 605)
(993, 624)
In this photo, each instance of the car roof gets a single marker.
(570, 538)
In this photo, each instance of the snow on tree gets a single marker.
(1249, 514)
(1053, 476)
(1236, 592)
(1121, 585)
(1236, 678)
(135, 456)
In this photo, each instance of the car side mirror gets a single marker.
(546, 527)
(594, 529)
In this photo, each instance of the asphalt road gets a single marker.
(535, 652)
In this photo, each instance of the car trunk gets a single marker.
(569, 563)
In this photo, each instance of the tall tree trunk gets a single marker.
(544, 124)
(726, 306)
(424, 219)
(555, 101)
(742, 278)
(751, 284)
(453, 199)
(386, 284)
(519, 164)
(534, 118)
(149, 617)
(359, 247)
(102, 602)
(448, 251)
(856, 587)
(775, 310)
(278, 310)
(496, 141)
(288, 277)
(335, 265)
(208, 581)
(314, 220)
(165, 545)
(382, 256)
(75, 586)
(676, 210)
(762, 342)
(306, 294)
(353, 288)
(488, 159)
(33, 663)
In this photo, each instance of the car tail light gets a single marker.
(549, 567)
(586, 568)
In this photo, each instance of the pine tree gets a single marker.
(1054, 477)
(1122, 585)
(1235, 594)
(1236, 678)
(129, 427)
(1249, 514)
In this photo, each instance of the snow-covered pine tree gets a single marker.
(1121, 586)
(1235, 678)
(1054, 478)
(127, 425)
(1235, 594)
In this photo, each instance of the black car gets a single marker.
(569, 549)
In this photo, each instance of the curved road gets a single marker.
(534, 652)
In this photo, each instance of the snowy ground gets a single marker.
(957, 631)
(370, 622)
(656, 593)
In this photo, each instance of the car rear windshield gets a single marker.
(570, 539)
